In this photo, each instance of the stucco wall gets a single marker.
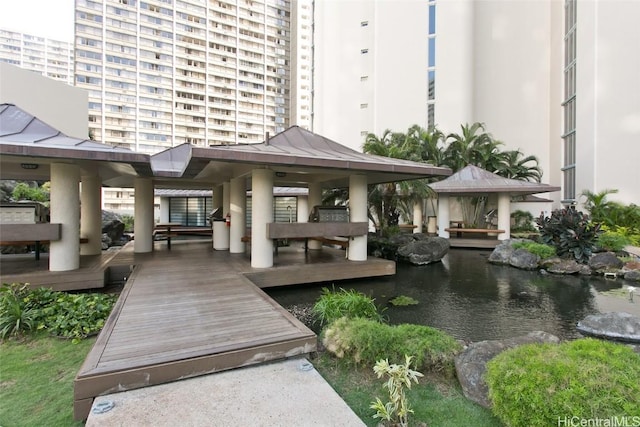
(56, 103)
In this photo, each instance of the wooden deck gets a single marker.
(24, 268)
(193, 311)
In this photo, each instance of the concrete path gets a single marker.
(284, 393)
(633, 250)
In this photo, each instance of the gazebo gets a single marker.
(31, 149)
(473, 181)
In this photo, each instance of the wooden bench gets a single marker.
(37, 243)
(459, 231)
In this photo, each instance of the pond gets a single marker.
(473, 300)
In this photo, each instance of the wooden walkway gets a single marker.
(193, 311)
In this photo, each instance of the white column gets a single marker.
(143, 216)
(238, 207)
(91, 214)
(261, 215)
(64, 254)
(226, 197)
(164, 209)
(217, 197)
(314, 199)
(358, 213)
(443, 215)
(303, 208)
(504, 216)
(417, 216)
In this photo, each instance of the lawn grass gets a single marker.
(36, 380)
(437, 402)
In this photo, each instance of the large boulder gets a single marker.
(523, 259)
(424, 251)
(471, 363)
(502, 253)
(617, 326)
(632, 275)
(114, 230)
(562, 266)
(604, 262)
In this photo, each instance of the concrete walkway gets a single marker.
(284, 393)
(632, 250)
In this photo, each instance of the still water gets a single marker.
(473, 300)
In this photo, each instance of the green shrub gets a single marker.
(15, 317)
(367, 341)
(333, 305)
(538, 384)
(127, 220)
(543, 251)
(570, 232)
(61, 314)
(23, 191)
(522, 222)
(612, 241)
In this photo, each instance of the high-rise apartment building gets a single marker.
(557, 79)
(51, 58)
(162, 73)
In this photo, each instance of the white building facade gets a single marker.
(51, 58)
(556, 79)
(160, 74)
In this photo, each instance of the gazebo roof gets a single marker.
(472, 180)
(297, 156)
(28, 147)
(27, 140)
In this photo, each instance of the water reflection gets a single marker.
(474, 300)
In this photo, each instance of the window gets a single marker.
(569, 104)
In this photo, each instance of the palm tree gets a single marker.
(515, 166)
(399, 146)
(473, 147)
(597, 204)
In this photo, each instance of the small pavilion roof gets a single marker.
(472, 180)
(25, 139)
(298, 156)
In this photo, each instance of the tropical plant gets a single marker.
(619, 218)
(570, 232)
(127, 220)
(395, 145)
(333, 305)
(612, 241)
(399, 379)
(597, 204)
(15, 317)
(62, 314)
(515, 165)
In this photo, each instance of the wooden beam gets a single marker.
(30, 232)
(285, 230)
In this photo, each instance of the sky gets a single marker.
(46, 18)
